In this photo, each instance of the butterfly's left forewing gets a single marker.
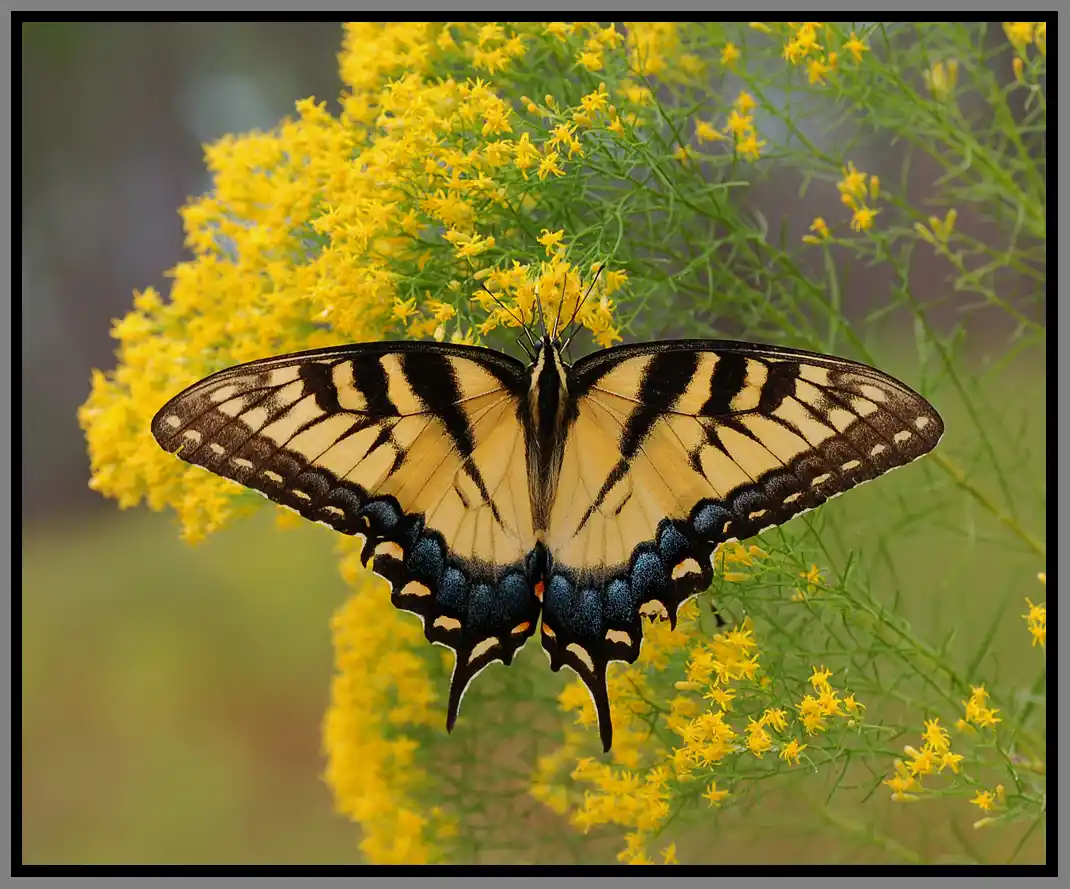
(675, 448)
(417, 447)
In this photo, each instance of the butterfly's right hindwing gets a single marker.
(417, 447)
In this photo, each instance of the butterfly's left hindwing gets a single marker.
(417, 447)
(675, 448)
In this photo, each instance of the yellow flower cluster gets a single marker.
(515, 294)
(739, 127)
(381, 699)
(934, 756)
(652, 48)
(720, 674)
(939, 231)
(859, 193)
(977, 712)
(627, 793)
(1023, 34)
(819, 231)
(815, 709)
(987, 800)
(1037, 618)
(493, 49)
(804, 47)
(814, 583)
(854, 194)
(942, 78)
(314, 234)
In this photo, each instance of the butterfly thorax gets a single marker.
(546, 426)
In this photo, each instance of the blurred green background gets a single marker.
(172, 696)
(171, 701)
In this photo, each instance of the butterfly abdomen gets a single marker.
(546, 425)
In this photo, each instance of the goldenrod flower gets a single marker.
(713, 795)
(855, 708)
(941, 79)
(597, 101)
(855, 47)
(750, 147)
(976, 710)
(721, 696)
(1037, 621)
(705, 132)
(560, 30)
(1020, 34)
(902, 782)
(548, 166)
(951, 760)
(739, 125)
(820, 678)
(862, 218)
(816, 69)
(730, 54)
(813, 575)
(853, 183)
(551, 240)
(940, 230)
(592, 61)
(936, 736)
(791, 751)
(745, 102)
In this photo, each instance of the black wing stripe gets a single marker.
(317, 380)
(780, 384)
(729, 378)
(664, 380)
(435, 384)
(371, 380)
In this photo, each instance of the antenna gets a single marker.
(561, 303)
(512, 314)
(538, 302)
(579, 305)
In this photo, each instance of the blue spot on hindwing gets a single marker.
(620, 603)
(382, 515)
(746, 502)
(558, 596)
(708, 521)
(514, 596)
(452, 591)
(672, 545)
(481, 610)
(648, 577)
(585, 619)
(426, 560)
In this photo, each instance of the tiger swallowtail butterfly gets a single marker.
(500, 499)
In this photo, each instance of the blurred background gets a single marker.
(171, 712)
(171, 702)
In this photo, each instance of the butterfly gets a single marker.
(500, 499)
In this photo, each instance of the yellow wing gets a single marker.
(417, 447)
(678, 447)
